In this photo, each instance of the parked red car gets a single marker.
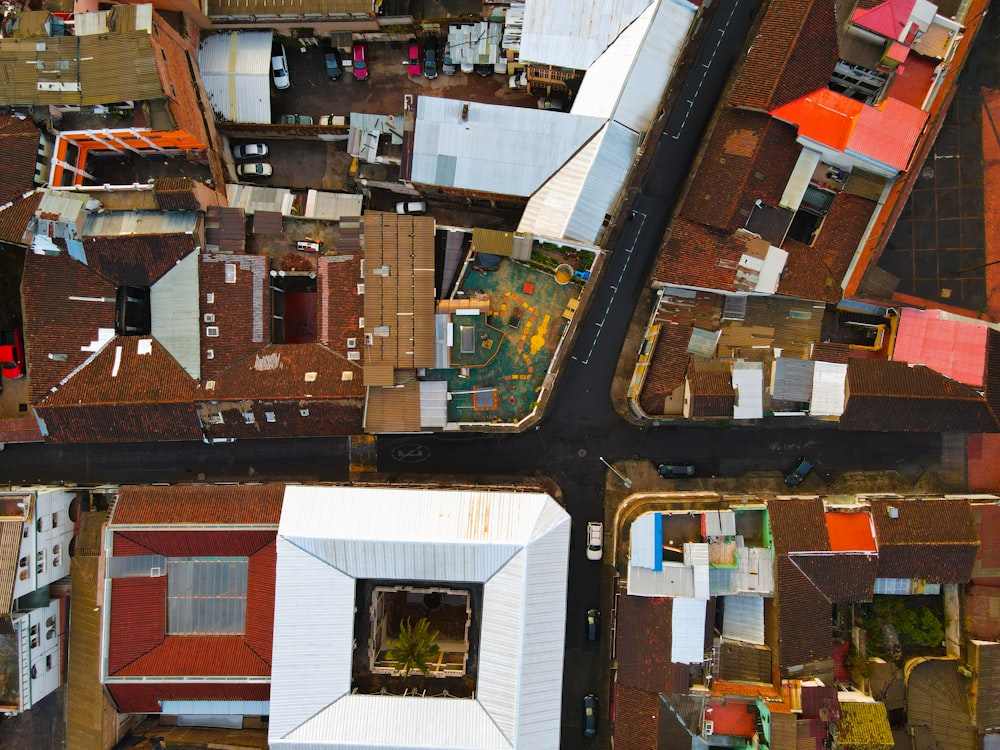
(360, 61)
(413, 65)
(11, 354)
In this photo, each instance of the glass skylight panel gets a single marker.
(206, 595)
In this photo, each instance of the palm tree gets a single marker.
(415, 648)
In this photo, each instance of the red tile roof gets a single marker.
(839, 576)
(886, 133)
(61, 317)
(636, 718)
(242, 309)
(644, 635)
(805, 626)
(749, 156)
(290, 371)
(793, 53)
(138, 643)
(934, 540)
(19, 143)
(954, 348)
(198, 541)
(321, 418)
(815, 272)
(136, 627)
(138, 260)
(712, 394)
(700, 256)
(118, 374)
(341, 308)
(892, 396)
(198, 504)
(666, 368)
(115, 423)
(146, 697)
(15, 218)
(798, 525)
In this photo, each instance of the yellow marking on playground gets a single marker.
(538, 340)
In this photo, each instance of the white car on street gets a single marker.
(595, 540)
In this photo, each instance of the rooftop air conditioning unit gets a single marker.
(709, 728)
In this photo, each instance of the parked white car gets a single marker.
(279, 68)
(411, 207)
(255, 169)
(595, 540)
(250, 151)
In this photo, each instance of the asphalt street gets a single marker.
(581, 424)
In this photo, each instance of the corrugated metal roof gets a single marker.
(84, 70)
(952, 346)
(517, 543)
(111, 223)
(494, 148)
(321, 204)
(828, 389)
(573, 35)
(393, 409)
(617, 147)
(253, 198)
(236, 72)
(792, 379)
(399, 291)
(743, 619)
(10, 546)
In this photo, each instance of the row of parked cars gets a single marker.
(332, 61)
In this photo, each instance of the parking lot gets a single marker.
(313, 94)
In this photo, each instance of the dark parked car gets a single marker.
(430, 58)
(593, 624)
(331, 56)
(798, 474)
(590, 716)
(676, 469)
(11, 355)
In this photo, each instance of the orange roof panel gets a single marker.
(888, 133)
(823, 116)
(850, 532)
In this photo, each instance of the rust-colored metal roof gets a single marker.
(850, 532)
(399, 290)
(393, 409)
(225, 229)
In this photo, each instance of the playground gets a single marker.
(501, 359)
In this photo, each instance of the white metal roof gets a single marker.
(321, 204)
(574, 203)
(748, 380)
(828, 391)
(253, 198)
(687, 631)
(236, 71)
(173, 301)
(516, 544)
(494, 148)
(573, 34)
